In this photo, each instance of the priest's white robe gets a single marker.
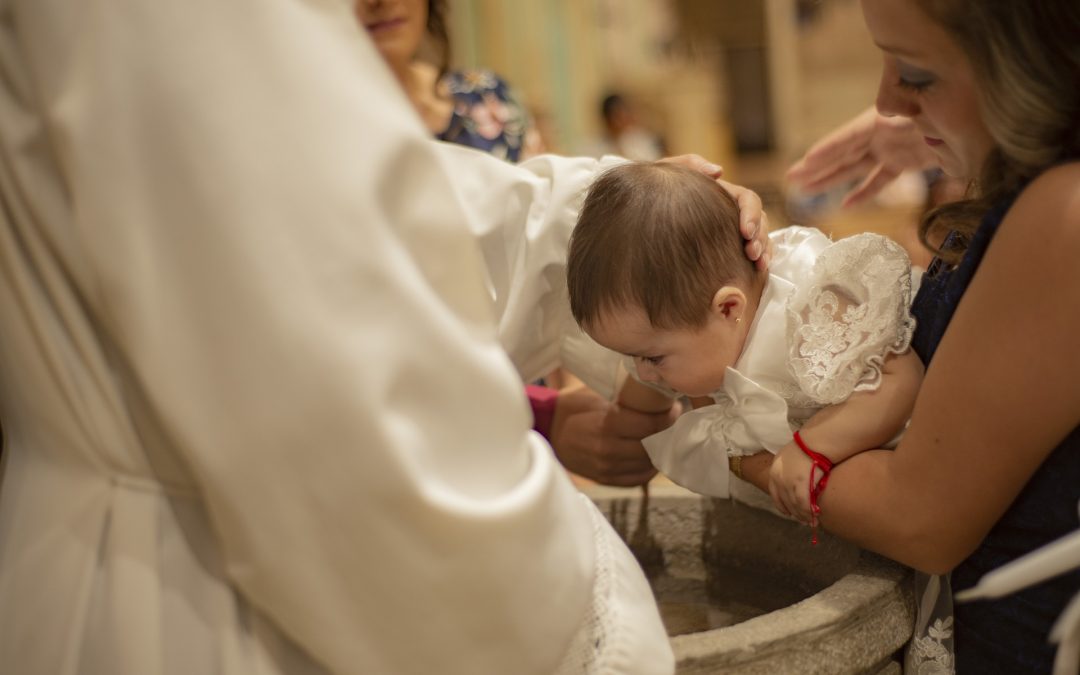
(254, 329)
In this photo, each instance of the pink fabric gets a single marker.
(542, 399)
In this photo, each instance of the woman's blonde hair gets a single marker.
(1026, 58)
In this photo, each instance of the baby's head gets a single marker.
(656, 271)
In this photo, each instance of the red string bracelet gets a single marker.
(825, 465)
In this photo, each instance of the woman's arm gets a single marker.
(1000, 394)
(867, 419)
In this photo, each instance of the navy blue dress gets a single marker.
(487, 115)
(1008, 635)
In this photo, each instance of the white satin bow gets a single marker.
(693, 451)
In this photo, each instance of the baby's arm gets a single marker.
(867, 419)
(642, 398)
(864, 421)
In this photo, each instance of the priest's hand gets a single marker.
(601, 440)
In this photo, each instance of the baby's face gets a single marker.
(690, 361)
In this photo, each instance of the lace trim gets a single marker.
(796, 398)
(929, 655)
(850, 317)
(589, 650)
(931, 650)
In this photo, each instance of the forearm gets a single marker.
(640, 397)
(982, 424)
(753, 469)
(867, 419)
(929, 503)
(874, 501)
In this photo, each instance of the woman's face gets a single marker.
(929, 79)
(396, 26)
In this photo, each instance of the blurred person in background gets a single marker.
(624, 134)
(473, 107)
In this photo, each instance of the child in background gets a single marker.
(809, 360)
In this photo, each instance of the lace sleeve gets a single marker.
(848, 316)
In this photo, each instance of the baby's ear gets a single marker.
(730, 302)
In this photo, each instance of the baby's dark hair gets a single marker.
(657, 236)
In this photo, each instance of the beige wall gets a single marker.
(562, 55)
(839, 68)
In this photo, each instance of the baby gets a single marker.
(809, 360)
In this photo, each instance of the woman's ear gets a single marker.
(729, 304)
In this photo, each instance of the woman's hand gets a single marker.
(870, 147)
(753, 223)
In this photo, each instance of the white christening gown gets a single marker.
(829, 315)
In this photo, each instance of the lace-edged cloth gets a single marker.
(851, 314)
(931, 650)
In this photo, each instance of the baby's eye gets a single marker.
(652, 360)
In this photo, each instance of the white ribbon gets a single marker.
(694, 451)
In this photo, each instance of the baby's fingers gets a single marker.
(796, 501)
(774, 492)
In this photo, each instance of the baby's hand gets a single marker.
(789, 482)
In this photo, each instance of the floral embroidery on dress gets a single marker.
(931, 650)
(929, 653)
(843, 325)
